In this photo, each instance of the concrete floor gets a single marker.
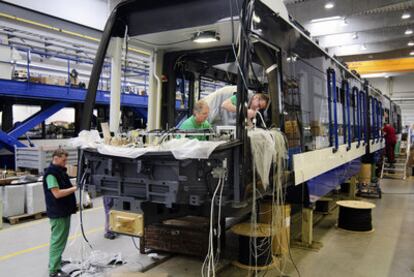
(388, 251)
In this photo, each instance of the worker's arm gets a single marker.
(53, 185)
(59, 193)
(228, 106)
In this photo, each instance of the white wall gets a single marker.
(399, 87)
(91, 13)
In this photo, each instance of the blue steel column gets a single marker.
(333, 83)
(329, 106)
(373, 115)
(381, 118)
(348, 113)
(357, 108)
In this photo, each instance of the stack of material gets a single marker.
(292, 133)
(35, 198)
(1, 208)
(13, 200)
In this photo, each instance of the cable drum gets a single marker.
(255, 250)
(355, 215)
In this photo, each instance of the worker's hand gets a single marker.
(74, 188)
(251, 113)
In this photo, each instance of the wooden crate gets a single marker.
(185, 236)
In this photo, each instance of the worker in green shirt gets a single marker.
(60, 205)
(198, 120)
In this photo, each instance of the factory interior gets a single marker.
(180, 138)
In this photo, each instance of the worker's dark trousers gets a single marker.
(108, 203)
(390, 152)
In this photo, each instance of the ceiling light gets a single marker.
(412, 53)
(205, 37)
(410, 43)
(386, 76)
(405, 15)
(329, 5)
(355, 36)
(325, 19)
(408, 32)
(363, 47)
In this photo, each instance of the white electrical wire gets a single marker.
(209, 260)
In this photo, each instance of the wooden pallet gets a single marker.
(24, 217)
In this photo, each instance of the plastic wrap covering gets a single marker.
(267, 147)
(190, 148)
(35, 198)
(86, 139)
(182, 148)
(13, 200)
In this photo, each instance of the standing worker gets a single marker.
(198, 120)
(60, 205)
(390, 141)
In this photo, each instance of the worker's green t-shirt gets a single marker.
(51, 182)
(191, 124)
(233, 100)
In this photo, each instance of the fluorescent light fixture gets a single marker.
(206, 37)
(355, 35)
(363, 47)
(408, 32)
(323, 19)
(412, 53)
(405, 15)
(386, 76)
(410, 43)
(329, 5)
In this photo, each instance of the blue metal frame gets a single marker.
(333, 130)
(348, 114)
(381, 118)
(373, 120)
(329, 87)
(10, 139)
(357, 108)
(65, 94)
(365, 115)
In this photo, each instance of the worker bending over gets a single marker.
(198, 120)
(259, 101)
(60, 205)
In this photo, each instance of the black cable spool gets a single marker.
(259, 235)
(355, 215)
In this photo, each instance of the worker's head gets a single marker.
(59, 157)
(200, 111)
(259, 101)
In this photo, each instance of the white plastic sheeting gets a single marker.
(35, 198)
(182, 148)
(86, 139)
(13, 200)
(127, 152)
(185, 148)
(267, 147)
